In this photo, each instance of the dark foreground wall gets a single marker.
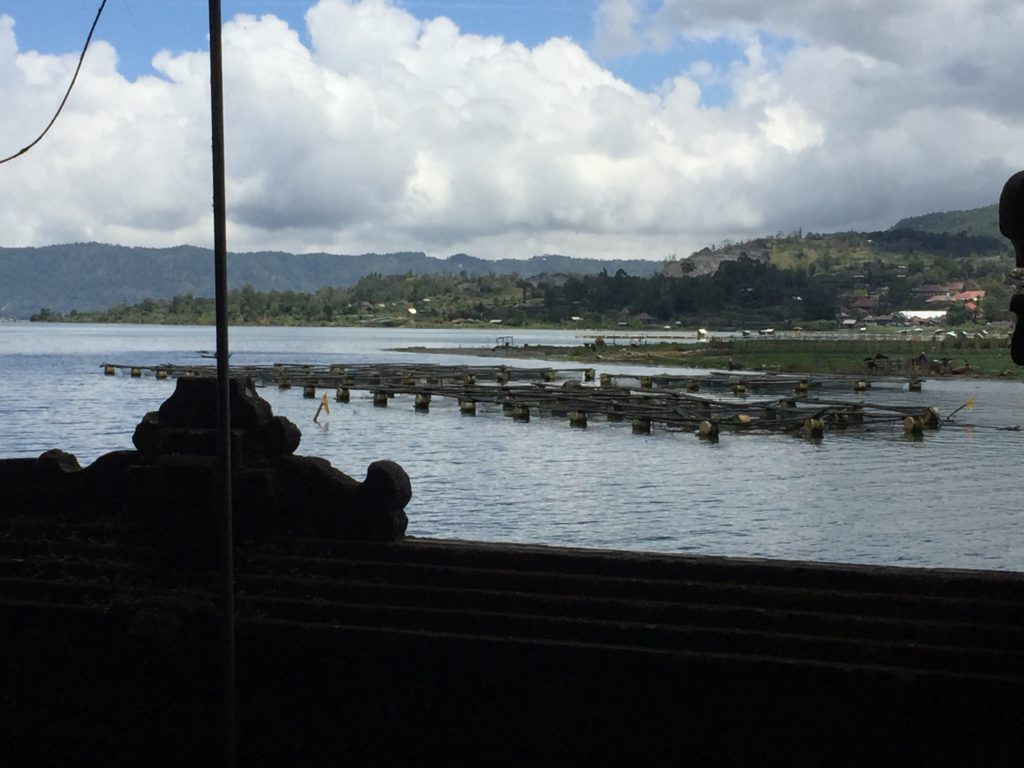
(447, 653)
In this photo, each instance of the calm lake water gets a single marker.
(951, 500)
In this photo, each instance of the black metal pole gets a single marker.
(220, 259)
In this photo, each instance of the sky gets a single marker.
(506, 129)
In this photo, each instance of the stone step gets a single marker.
(644, 599)
(383, 655)
(750, 571)
(800, 636)
(626, 585)
(564, 608)
(651, 612)
(798, 644)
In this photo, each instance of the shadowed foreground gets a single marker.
(366, 649)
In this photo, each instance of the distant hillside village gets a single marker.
(882, 294)
(940, 300)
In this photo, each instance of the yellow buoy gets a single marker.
(588, 374)
(521, 413)
(309, 390)
(814, 429)
(578, 419)
(161, 373)
(380, 399)
(136, 373)
(467, 407)
(708, 430)
(342, 395)
(931, 419)
(912, 425)
(422, 401)
(109, 370)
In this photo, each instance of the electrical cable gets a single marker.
(67, 93)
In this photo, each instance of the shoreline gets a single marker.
(789, 357)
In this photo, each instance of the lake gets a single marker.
(950, 500)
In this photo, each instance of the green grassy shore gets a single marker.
(980, 357)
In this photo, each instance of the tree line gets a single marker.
(740, 292)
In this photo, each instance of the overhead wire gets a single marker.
(67, 93)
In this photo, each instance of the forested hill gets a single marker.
(91, 276)
(980, 222)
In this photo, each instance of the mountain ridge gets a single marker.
(94, 276)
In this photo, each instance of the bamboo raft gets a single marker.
(798, 383)
(577, 394)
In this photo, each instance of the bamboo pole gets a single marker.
(223, 384)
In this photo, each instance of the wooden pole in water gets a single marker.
(220, 261)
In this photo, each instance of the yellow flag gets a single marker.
(325, 403)
(970, 404)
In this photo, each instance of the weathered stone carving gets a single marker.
(1011, 224)
(186, 423)
(1011, 214)
(168, 488)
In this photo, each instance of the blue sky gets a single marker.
(602, 128)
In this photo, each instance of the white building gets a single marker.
(922, 315)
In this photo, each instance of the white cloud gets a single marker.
(389, 132)
(616, 28)
(789, 127)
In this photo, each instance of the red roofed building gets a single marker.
(968, 296)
